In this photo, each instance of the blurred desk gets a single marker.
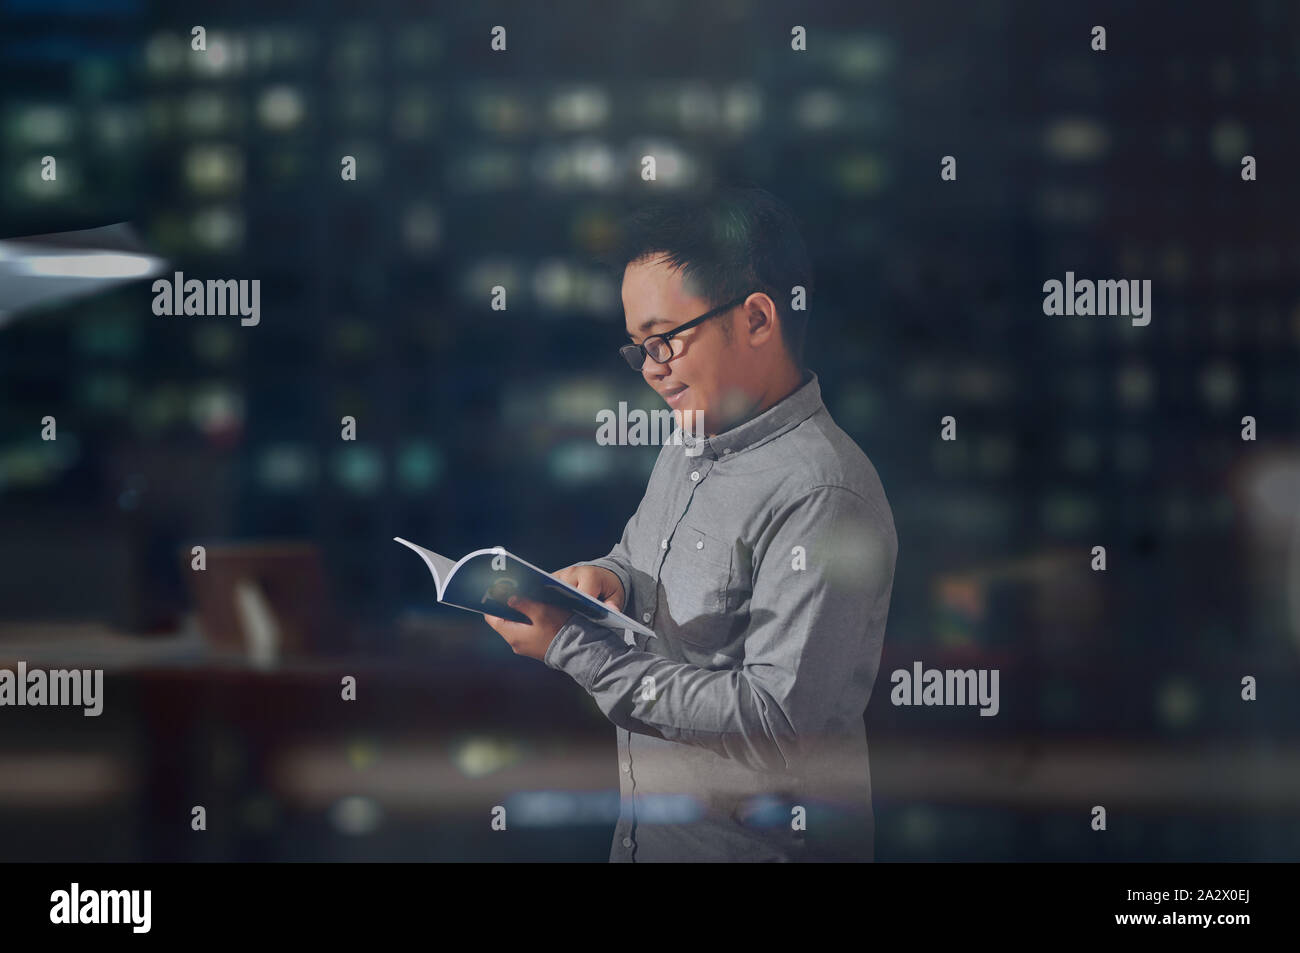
(91, 645)
(430, 739)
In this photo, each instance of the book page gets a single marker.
(440, 566)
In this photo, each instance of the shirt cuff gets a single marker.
(580, 649)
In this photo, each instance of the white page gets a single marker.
(440, 566)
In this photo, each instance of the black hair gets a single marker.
(727, 242)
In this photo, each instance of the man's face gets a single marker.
(708, 372)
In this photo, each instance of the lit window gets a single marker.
(41, 125)
(860, 173)
(224, 56)
(1219, 385)
(419, 466)
(697, 106)
(286, 467)
(819, 109)
(413, 114)
(742, 108)
(1065, 513)
(217, 410)
(370, 167)
(1135, 386)
(359, 469)
(573, 464)
(417, 47)
(587, 163)
(862, 56)
(116, 127)
(421, 228)
(553, 285)
(164, 53)
(214, 168)
(280, 108)
(28, 180)
(500, 113)
(1076, 140)
(107, 392)
(1229, 142)
(207, 111)
(582, 108)
(220, 228)
(360, 106)
(358, 51)
(487, 170)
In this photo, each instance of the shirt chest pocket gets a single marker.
(696, 577)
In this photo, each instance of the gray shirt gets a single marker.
(763, 560)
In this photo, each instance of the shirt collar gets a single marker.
(784, 415)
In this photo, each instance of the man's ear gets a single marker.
(762, 320)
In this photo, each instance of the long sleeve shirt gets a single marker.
(763, 560)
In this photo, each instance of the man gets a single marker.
(762, 556)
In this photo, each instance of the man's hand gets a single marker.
(601, 584)
(531, 640)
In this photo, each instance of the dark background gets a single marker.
(476, 427)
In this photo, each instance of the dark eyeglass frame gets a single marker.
(635, 354)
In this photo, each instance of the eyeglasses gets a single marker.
(657, 346)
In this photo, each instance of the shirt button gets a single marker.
(663, 544)
(727, 451)
(695, 476)
(627, 767)
(627, 842)
(645, 617)
(699, 544)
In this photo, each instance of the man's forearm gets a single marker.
(726, 711)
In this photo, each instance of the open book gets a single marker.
(486, 578)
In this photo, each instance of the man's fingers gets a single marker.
(526, 606)
(585, 581)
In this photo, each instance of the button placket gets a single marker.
(695, 477)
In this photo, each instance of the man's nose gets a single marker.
(653, 371)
